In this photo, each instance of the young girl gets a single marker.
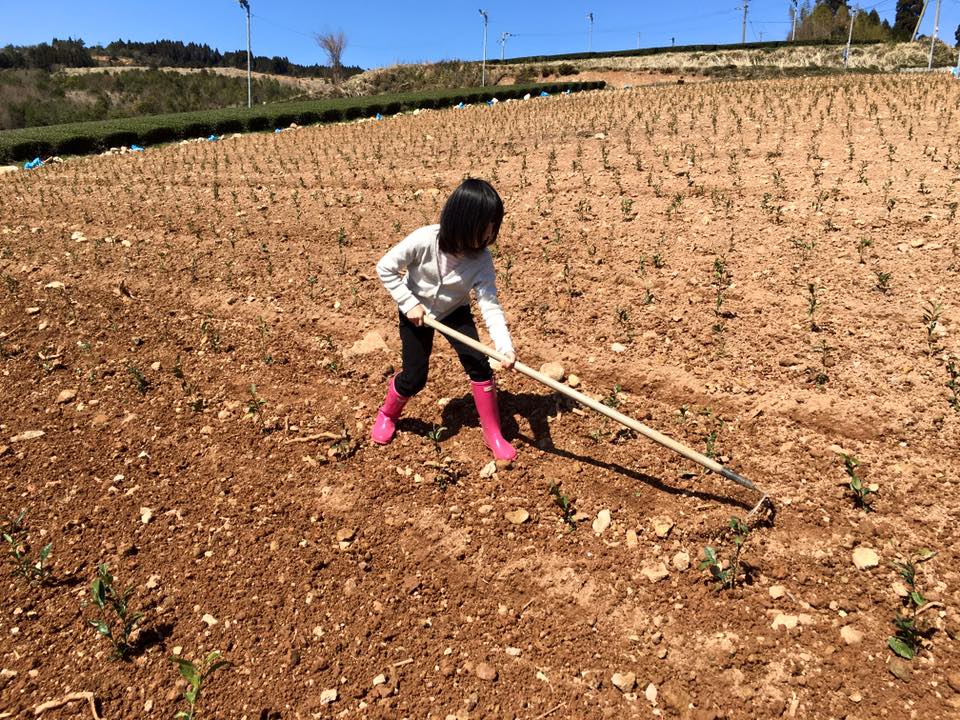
(443, 263)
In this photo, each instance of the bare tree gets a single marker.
(333, 44)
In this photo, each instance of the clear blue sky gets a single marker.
(381, 32)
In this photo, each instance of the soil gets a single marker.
(743, 266)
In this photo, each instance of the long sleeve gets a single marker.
(391, 270)
(486, 293)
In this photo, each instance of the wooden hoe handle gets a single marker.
(624, 420)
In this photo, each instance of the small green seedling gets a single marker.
(908, 639)
(883, 281)
(931, 321)
(434, 435)
(954, 384)
(727, 577)
(116, 622)
(812, 302)
(861, 491)
(255, 405)
(139, 379)
(613, 399)
(15, 536)
(196, 674)
(564, 503)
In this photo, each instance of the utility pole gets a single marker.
(793, 35)
(590, 32)
(923, 11)
(503, 42)
(638, 41)
(933, 38)
(743, 34)
(245, 4)
(483, 70)
(846, 52)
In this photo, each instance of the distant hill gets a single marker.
(161, 53)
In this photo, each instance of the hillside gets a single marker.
(42, 97)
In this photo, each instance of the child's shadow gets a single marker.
(461, 413)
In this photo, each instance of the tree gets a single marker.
(333, 44)
(908, 13)
(957, 35)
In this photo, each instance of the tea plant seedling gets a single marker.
(954, 384)
(255, 405)
(434, 435)
(196, 674)
(613, 399)
(15, 536)
(564, 503)
(883, 281)
(116, 622)
(931, 321)
(727, 577)
(861, 491)
(812, 304)
(138, 377)
(911, 630)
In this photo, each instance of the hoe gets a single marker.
(763, 511)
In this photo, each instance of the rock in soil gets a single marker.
(517, 517)
(602, 522)
(624, 682)
(553, 370)
(486, 671)
(850, 635)
(865, 558)
(656, 572)
(899, 668)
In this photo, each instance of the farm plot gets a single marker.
(192, 353)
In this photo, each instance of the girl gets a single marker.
(443, 263)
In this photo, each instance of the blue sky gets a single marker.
(382, 32)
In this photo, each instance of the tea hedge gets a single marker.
(91, 137)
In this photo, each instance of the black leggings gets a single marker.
(418, 343)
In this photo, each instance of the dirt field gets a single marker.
(767, 272)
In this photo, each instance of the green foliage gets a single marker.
(88, 137)
(727, 575)
(14, 534)
(255, 405)
(909, 624)
(861, 492)
(954, 384)
(564, 503)
(613, 399)
(116, 622)
(196, 675)
(141, 382)
(931, 319)
(435, 435)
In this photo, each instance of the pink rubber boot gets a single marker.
(386, 423)
(485, 397)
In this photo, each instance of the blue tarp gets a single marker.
(459, 105)
(213, 138)
(35, 163)
(544, 93)
(136, 148)
(379, 116)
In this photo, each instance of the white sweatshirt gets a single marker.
(418, 255)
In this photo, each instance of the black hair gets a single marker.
(467, 214)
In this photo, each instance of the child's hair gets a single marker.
(468, 212)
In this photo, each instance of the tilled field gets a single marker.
(192, 352)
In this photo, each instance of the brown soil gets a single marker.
(207, 269)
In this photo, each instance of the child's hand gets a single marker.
(511, 359)
(415, 315)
